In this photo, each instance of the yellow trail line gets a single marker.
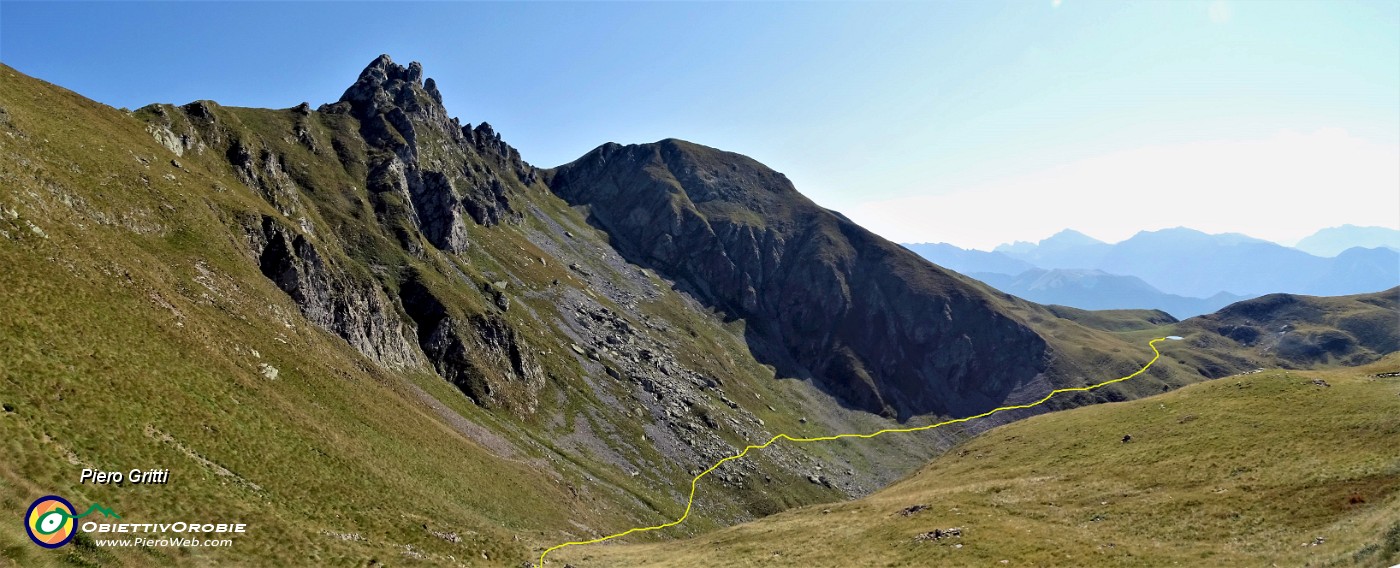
(691, 501)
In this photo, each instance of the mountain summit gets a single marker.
(1332, 241)
(823, 297)
(433, 162)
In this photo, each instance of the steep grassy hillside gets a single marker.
(1281, 468)
(137, 333)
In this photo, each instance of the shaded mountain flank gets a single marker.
(822, 297)
(305, 310)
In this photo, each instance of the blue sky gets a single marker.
(967, 122)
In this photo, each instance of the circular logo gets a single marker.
(49, 521)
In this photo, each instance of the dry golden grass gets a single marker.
(1243, 471)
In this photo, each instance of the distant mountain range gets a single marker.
(1181, 271)
(1333, 240)
(1098, 290)
(970, 261)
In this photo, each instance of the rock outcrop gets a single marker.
(434, 164)
(398, 117)
(480, 354)
(868, 320)
(358, 312)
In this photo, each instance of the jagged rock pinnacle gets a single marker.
(385, 85)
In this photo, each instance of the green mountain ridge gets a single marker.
(1291, 331)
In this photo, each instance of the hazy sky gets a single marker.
(973, 123)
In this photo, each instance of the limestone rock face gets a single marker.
(868, 320)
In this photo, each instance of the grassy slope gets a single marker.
(1246, 470)
(1114, 320)
(130, 326)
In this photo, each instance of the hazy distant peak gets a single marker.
(1070, 237)
(1064, 238)
(1015, 247)
(1187, 234)
(1172, 232)
(1333, 240)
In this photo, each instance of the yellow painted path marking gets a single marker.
(691, 501)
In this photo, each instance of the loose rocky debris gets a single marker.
(1316, 541)
(688, 412)
(912, 509)
(939, 534)
(349, 537)
(1320, 382)
(410, 551)
(451, 537)
(1389, 375)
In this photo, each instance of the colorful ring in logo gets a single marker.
(49, 522)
